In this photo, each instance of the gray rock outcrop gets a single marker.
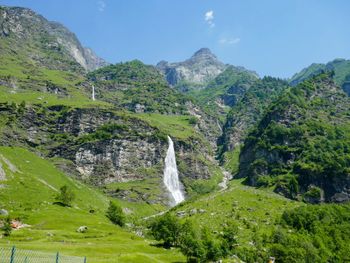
(201, 68)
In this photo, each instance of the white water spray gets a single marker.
(93, 93)
(171, 177)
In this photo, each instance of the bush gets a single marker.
(6, 228)
(229, 236)
(66, 196)
(191, 244)
(197, 244)
(193, 120)
(115, 214)
(166, 229)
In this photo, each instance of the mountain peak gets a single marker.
(201, 68)
(203, 50)
(204, 53)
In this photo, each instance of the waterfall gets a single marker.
(171, 177)
(93, 92)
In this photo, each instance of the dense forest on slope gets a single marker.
(302, 143)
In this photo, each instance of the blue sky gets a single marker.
(272, 37)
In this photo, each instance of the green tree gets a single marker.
(213, 247)
(191, 244)
(293, 187)
(167, 229)
(6, 228)
(66, 196)
(115, 214)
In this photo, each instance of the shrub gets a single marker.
(6, 228)
(115, 214)
(229, 235)
(166, 229)
(193, 120)
(66, 196)
(191, 244)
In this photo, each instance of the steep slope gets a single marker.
(244, 116)
(302, 144)
(193, 73)
(28, 192)
(38, 55)
(340, 67)
(224, 91)
(27, 27)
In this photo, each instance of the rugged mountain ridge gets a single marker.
(27, 26)
(213, 85)
(340, 67)
(194, 72)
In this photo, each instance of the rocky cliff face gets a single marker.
(247, 113)
(301, 144)
(132, 145)
(102, 146)
(28, 27)
(197, 71)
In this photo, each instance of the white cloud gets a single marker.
(229, 40)
(209, 18)
(101, 5)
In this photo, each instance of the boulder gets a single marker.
(82, 229)
(181, 213)
(193, 211)
(4, 212)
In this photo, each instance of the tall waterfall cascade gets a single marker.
(93, 93)
(171, 177)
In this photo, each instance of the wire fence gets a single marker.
(15, 255)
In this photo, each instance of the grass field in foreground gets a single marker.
(28, 193)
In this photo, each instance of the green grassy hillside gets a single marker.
(28, 194)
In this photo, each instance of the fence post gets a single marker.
(57, 257)
(26, 260)
(13, 252)
(85, 260)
